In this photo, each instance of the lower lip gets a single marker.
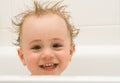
(49, 69)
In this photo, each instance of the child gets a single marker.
(45, 38)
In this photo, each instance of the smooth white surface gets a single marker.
(94, 50)
(60, 79)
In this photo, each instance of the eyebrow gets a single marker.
(57, 39)
(39, 40)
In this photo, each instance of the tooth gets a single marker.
(50, 64)
(46, 64)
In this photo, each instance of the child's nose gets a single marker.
(47, 54)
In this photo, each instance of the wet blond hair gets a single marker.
(43, 9)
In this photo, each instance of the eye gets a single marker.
(36, 47)
(57, 45)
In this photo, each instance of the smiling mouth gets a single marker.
(49, 66)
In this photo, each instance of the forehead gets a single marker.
(45, 21)
(48, 24)
(49, 19)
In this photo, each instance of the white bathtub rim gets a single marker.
(60, 79)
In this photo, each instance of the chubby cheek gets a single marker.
(31, 60)
(64, 59)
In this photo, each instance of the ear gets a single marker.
(20, 54)
(72, 49)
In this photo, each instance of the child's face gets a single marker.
(45, 45)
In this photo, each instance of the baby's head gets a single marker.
(45, 38)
